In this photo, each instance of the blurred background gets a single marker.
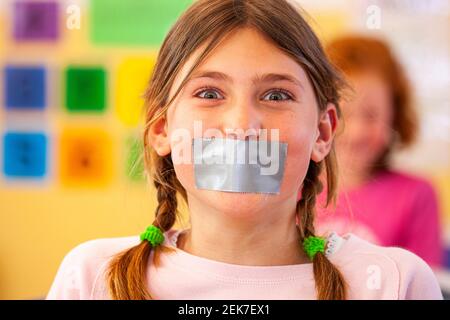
(72, 73)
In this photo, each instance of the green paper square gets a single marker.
(133, 22)
(85, 89)
(135, 159)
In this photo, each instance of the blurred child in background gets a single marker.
(376, 202)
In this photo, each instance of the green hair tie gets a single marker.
(153, 235)
(312, 245)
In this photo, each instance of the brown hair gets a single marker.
(207, 22)
(360, 54)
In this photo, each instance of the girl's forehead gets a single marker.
(245, 45)
(245, 55)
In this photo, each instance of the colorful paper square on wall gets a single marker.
(36, 20)
(85, 89)
(133, 22)
(25, 87)
(135, 159)
(24, 154)
(85, 157)
(133, 75)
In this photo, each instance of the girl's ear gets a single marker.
(325, 133)
(158, 136)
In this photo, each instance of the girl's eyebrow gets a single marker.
(267, 77)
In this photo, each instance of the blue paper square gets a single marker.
(24, 154)
(24, 87)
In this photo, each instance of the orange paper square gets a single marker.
(85, 157)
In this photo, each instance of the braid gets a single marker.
(312, 186)
(330, 284)
(165, 182)
(127, 272)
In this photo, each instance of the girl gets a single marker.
(241, 66)
(378, 120)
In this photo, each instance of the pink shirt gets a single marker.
(394, 209)
(372, 272)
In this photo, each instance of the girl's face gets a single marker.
(367, 118)
(247, 83)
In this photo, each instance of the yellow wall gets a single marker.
(41, 222)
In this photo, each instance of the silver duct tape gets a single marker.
(255, 166)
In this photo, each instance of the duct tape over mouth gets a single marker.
(232, 165)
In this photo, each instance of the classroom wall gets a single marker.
(92, 184)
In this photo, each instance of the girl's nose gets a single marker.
(242, 120)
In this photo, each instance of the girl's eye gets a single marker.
(208, 93)
(278, 95)
(212, 93)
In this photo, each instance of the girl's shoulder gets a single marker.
(80, 275)
(103, 248)
(94, 252)
(385, 272)
(81, 266)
